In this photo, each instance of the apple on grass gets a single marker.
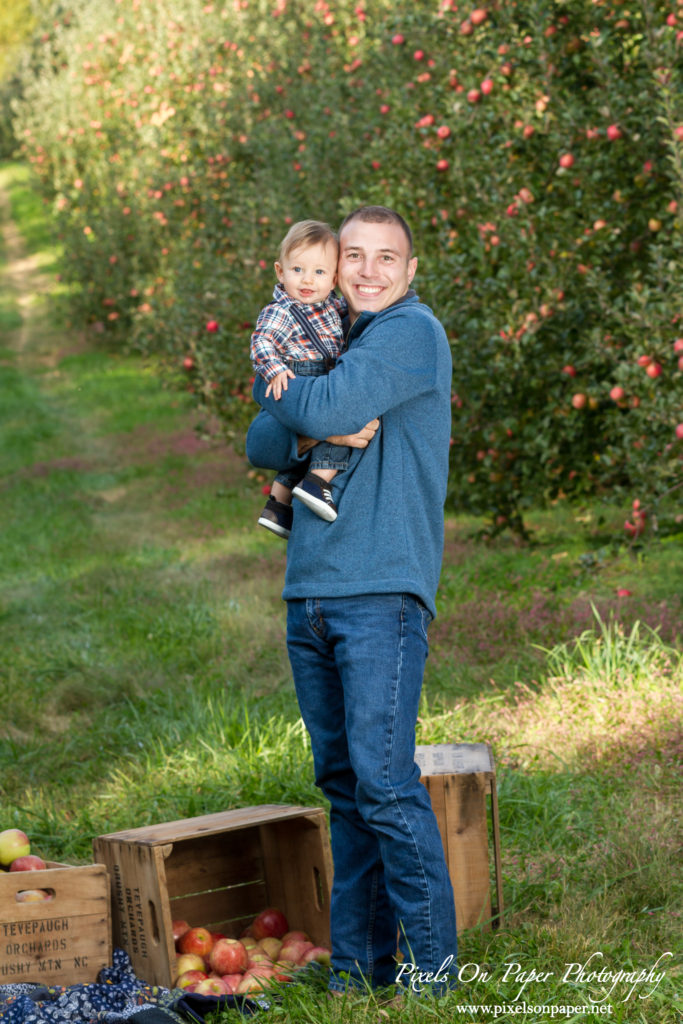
(318, 954)
(212, 986)
(229, 956)
(31, 862)
(14, 843)
(255, 980)
(232, 981)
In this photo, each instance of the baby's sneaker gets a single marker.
(277, 517)
(315, 493)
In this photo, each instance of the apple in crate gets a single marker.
(196, 940)
(270, 921)
(31, 862)
(212, 987)
(189, 962)
(228, 956)
(271, 946)
(179, 929)
(292, 950)
(33, 895)
(189, 980)
(13, 843)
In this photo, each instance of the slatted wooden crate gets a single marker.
(65, 940)
(461, 781)
(219, 871)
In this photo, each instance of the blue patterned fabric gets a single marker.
(116, 996)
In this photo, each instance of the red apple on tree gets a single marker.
(579, 400)
(653, 370)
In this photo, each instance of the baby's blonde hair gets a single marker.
(306, 233)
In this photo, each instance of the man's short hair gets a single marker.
(379, 215)
(306, 233)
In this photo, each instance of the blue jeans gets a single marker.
(323, 455)
(358, 664)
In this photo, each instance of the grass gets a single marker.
(144, 675)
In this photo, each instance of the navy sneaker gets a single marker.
(277, 518)
(315, 493)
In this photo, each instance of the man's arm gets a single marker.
(390, 363)
(272, 446)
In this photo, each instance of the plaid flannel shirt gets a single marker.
(278, 339)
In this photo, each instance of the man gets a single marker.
(358, 611)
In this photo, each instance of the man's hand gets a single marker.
(360, 440)
(279, 384)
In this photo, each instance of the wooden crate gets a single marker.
(461, 781)
(219, 871)
(62, 941)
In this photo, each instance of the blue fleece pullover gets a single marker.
(388, 537)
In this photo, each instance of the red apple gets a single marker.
(213, 987)
(644, 361)
(653, 370)
(270, 921)
(179, 929)
(188, 363)
(255, 982)
(579, 400)
(569, 370)
(678, 345)
(473, 96)
(13, 843)
(320, 954)
(613, 132)
(566, 160)
(33, 895)
(31, 862)
(232, 981)
(196, 940)
(487, 86)
(679, 431)
(228, 956)
(296, 934)
(188, 980)
(293, 950)
(212, 326)
(617, 393)
(478, 15)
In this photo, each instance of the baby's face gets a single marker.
(309, 273)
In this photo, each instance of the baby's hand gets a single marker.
(279, 384)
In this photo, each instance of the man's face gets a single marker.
(375, 267)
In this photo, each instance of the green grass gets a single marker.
(144, 675)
